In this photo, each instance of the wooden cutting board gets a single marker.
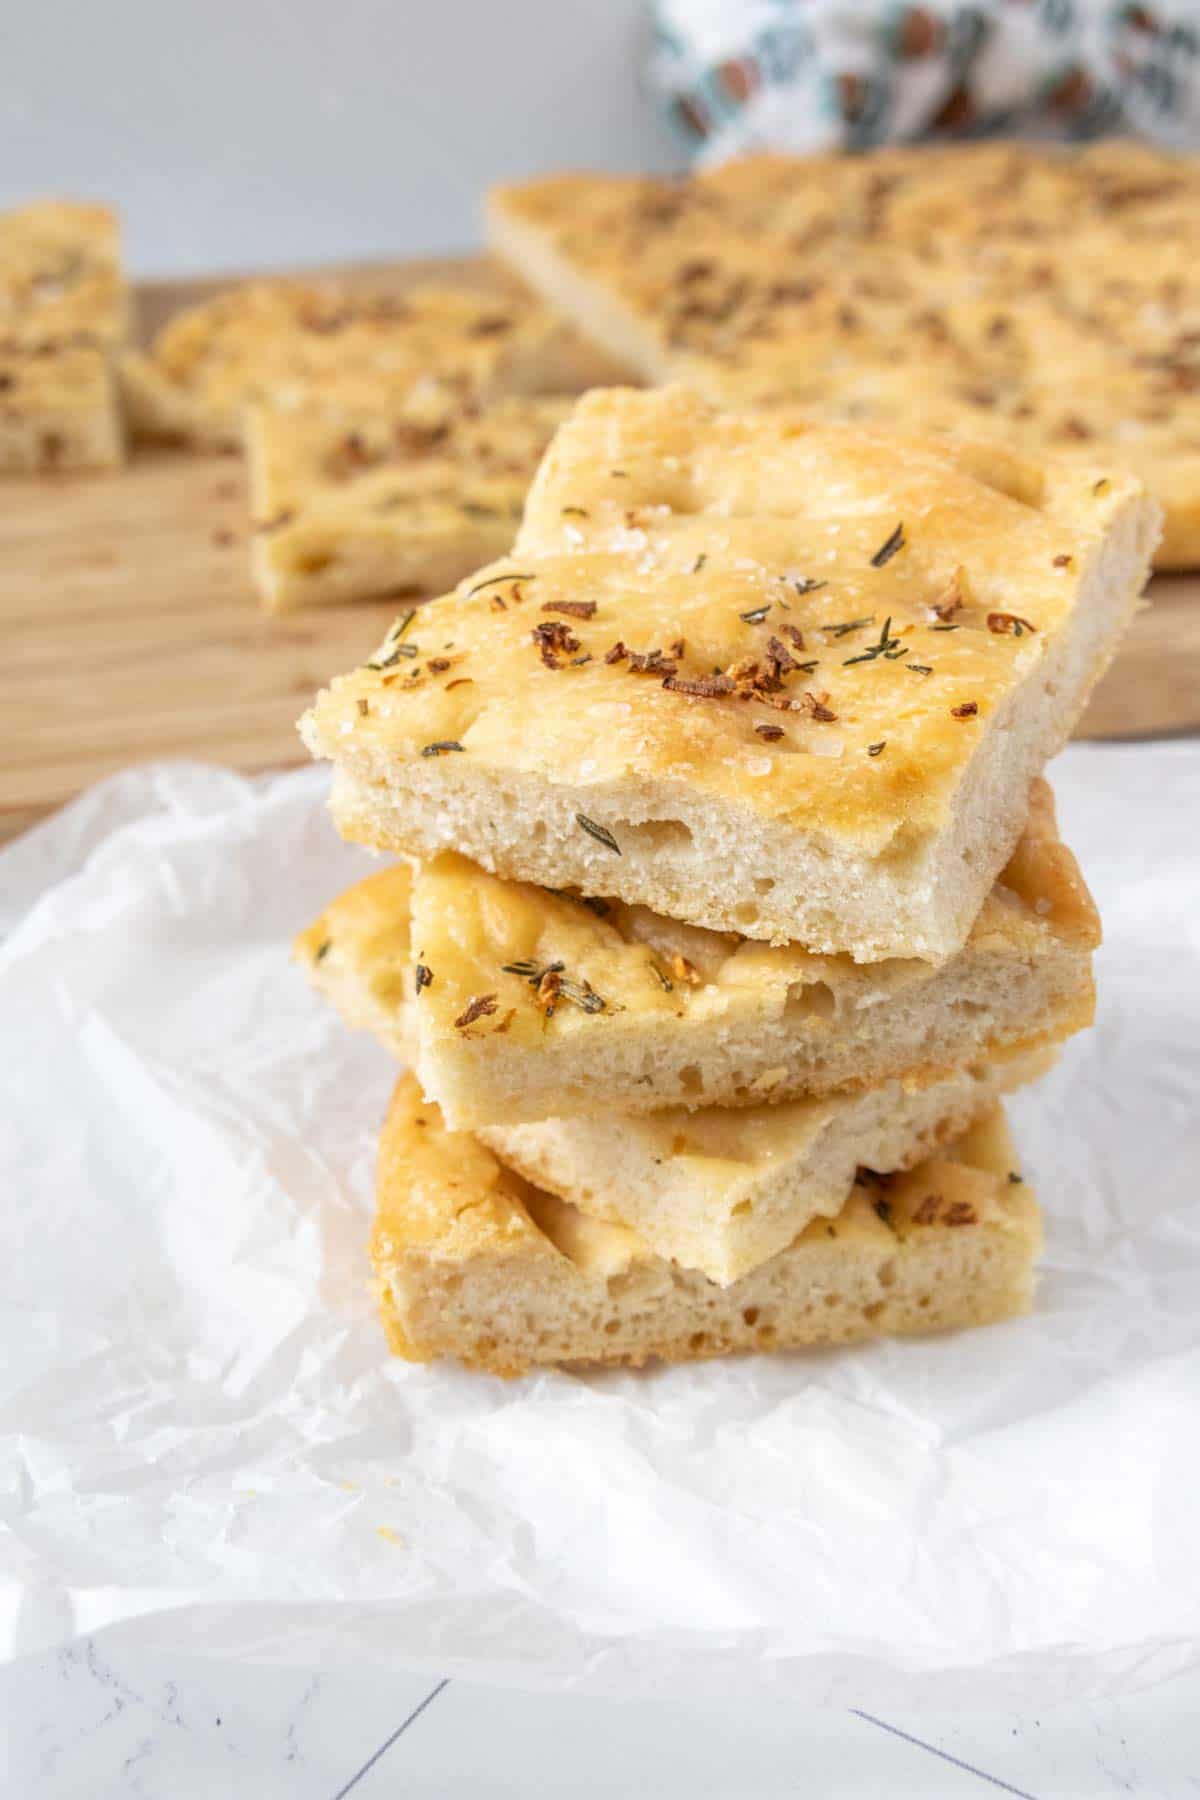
(131, 633)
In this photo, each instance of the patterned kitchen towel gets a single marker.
(806, 75)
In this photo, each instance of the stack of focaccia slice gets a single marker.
(733, 899)
(64, 311)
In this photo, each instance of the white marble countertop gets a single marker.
(88, 1723)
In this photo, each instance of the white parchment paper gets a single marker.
(206, 1448)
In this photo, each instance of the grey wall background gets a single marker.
(280, 132)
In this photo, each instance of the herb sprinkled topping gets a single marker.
(601, 833)
(756, 615)
(887, 646)
(322, 950)
(877, 749)
(424, 977)
(781, 660)
(804, 584)
(364, 707)
(550, 985)
(945, 628)
(443, 747)
(772, 733)
(578, 512)
(919, 668)
(1099, 487)
(554, 641)
(481, 1007)
(1063, 561)
(391, 649)
(849, 625)
(700, 687)
(496, 581)
(699, 563)
(969, 709)
(818, 710)
(1012, 623)
(574, 609)
(952, 597)
(889, 547)
(650, 662)
(1015, 1180)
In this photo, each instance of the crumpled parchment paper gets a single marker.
(206, 1448)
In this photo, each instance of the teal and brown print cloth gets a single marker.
(806, 75)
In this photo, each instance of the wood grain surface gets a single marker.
(131, 631)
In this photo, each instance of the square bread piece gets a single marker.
(472, 1262)
(60, 276)
(534, 1004)
(58, 410)
(1050, 295)
(348, 508)
(722, 1189)
(785, 680)
(285, 344)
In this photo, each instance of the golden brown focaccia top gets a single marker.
(545, 962)
(60, 275)
(812, 622)
(458, 460)
(442, 1192)
(286, 343)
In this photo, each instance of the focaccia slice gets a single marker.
(394, 500)
(58, 410)
(786, 680)
(286, 344)
(472, 1262)
(60, 276)
(722, 1189)
(64, 308)
(535, 1004)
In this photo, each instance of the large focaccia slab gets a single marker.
(514, 1003)
(472, 1262)
(1045, 296)
(765, 677)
